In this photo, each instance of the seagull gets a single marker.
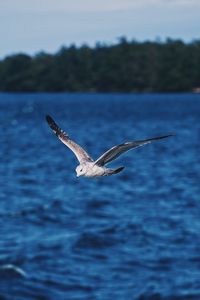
(87, 166)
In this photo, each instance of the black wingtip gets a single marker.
(49, 119)
(165, 136)
(52, 124)
(171, 134)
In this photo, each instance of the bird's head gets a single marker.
(80, 170)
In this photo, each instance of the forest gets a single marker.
(128, 66)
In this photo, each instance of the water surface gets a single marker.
(135, 235)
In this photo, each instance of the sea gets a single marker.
(131, 236)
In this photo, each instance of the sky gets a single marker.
(32, 26)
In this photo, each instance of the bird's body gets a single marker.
(87, 166)
(91, 169)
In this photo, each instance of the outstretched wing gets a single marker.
(80, 153)
(116, 151)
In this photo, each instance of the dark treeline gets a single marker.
(170, 66)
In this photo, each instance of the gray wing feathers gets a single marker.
(116, 151)
(80, 153)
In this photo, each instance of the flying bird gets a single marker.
(87, 166)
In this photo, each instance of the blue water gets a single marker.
(135, 235)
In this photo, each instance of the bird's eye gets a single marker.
(81, 170)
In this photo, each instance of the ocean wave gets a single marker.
(12, 271)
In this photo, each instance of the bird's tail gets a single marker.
(115, 171)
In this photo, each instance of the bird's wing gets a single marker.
(116, 151)
(80, 153)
